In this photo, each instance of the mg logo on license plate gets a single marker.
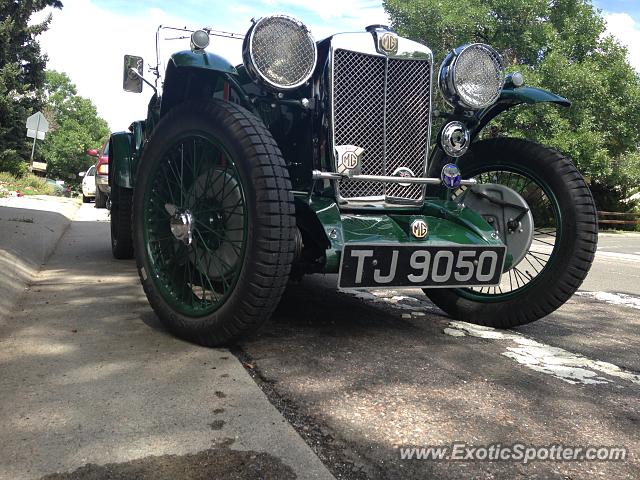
(419, 228)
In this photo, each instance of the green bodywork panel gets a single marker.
(206, 60)
(125, 151)
(447, 225)
(122, 162)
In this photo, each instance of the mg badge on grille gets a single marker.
(349, 159)
(419, 228)
(388, 43)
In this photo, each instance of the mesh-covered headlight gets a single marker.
(472, 76)
(280, 52)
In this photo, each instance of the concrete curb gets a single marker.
(30, 228)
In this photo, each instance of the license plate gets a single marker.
(367, 266)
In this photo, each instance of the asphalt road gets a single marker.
(90, 377)
(617, 268)
(363, 375)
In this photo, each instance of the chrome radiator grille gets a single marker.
(382, 105)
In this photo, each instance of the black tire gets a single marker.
(572, 253)
(121, 237)
(262, 273)
(101, 199)
(85, 199)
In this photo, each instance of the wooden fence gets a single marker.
(618, 218)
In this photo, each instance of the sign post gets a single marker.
(37, 126)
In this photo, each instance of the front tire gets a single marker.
(566, 253)
(213, 222)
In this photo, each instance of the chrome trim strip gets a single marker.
(318, 175)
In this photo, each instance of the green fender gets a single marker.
(510, 97)
(206, 60)
(121, 151)
(124, 151)
(196, 75)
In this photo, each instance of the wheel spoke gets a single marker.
(199, 180)
(545, 232)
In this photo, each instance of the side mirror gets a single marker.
(81, 174)
(92, 152)
(132, 78)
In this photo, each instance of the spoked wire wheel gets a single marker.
(213, 222)
(564, 235)
(546, 233)
(195, 225)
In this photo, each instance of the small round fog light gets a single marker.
(199, 40)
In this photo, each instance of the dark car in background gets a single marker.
(101, 174)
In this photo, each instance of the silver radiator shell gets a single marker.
(384, 106)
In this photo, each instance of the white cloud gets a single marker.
(336, 15)
(88, 42)
(627, 31)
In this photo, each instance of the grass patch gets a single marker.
(28, 184)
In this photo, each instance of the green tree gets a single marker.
(22, 68)
(559, 45)
(75, 127)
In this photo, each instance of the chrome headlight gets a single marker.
(472, 76)
(280, 52)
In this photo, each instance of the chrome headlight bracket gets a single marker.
(471, 77)
(279, 52)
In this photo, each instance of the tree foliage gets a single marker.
(21, 77)
(75, 127)
(561, 46)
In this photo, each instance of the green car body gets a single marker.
(447, 224)
(301, 121)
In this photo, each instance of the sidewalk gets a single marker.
(93, 387)
(30, 227)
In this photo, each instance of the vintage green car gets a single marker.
(318, 157)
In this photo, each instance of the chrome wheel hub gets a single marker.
(181, 224)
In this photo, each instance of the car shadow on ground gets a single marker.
(360, 380)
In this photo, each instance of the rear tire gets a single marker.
(121, 237)
(101, 199)
(85, 199)
(226, 277)
(574, 244)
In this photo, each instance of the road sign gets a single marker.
(39, 166)
(37, 122)
(37, 126)
(32, 134)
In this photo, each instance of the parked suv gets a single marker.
(102, 175)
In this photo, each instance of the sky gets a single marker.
(87, 39)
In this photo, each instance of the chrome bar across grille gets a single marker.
(382, 104)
